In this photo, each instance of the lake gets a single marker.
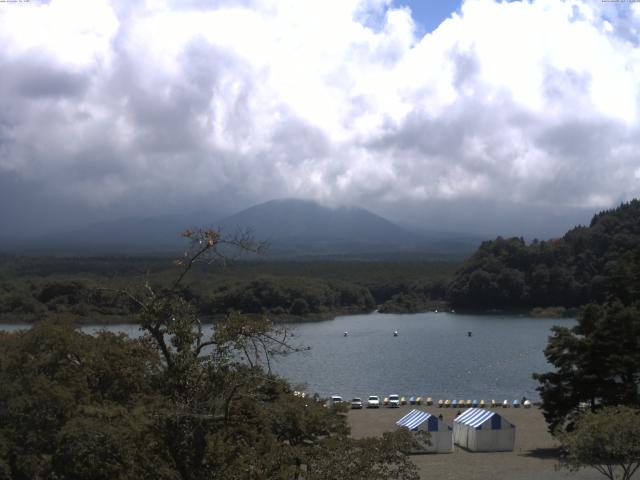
(431, 356)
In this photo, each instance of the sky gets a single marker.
(510, 118)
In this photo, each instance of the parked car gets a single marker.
(394, 401)
(356, 403)
(373, 401)
(335, 399)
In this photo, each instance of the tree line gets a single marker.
(280, 290)
(588, 264)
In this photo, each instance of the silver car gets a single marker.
(394, 401)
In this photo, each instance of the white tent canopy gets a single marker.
(441, 438)
(482, 430)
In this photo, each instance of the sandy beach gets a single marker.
(533, 458)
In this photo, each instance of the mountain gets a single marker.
(304, 228)
(301, 220)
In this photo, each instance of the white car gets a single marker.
(373, 401)
(394, 401)
(356, 403)
(335, 399)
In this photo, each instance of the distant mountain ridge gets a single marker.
(291, 227)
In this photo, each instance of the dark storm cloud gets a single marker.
(33, 77)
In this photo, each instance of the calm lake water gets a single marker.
(431, 356)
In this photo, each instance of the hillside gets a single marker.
(302, 228)
(588, 264)
(293, 221)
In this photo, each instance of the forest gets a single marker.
(588, 264)
(87, 288)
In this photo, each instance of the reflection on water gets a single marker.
(433, 355)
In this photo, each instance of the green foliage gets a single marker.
(50, 374)
(597, 362)
(297, 296)
(85, 289)
(173, 404)
(363, 459)
(588, 264)
(608, 441)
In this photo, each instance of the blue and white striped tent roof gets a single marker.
(415, 418)
(474, 417)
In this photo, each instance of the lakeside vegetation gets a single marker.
(86, 288)
(548, 278)
(588, 264)
(174, 403)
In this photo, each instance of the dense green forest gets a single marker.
(87, 288)
(588, 264)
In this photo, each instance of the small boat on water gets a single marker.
(395, 333)
(346, 334)
(469, 334)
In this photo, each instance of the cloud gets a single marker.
(167, 104)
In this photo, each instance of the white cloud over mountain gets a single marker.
(529, 104)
